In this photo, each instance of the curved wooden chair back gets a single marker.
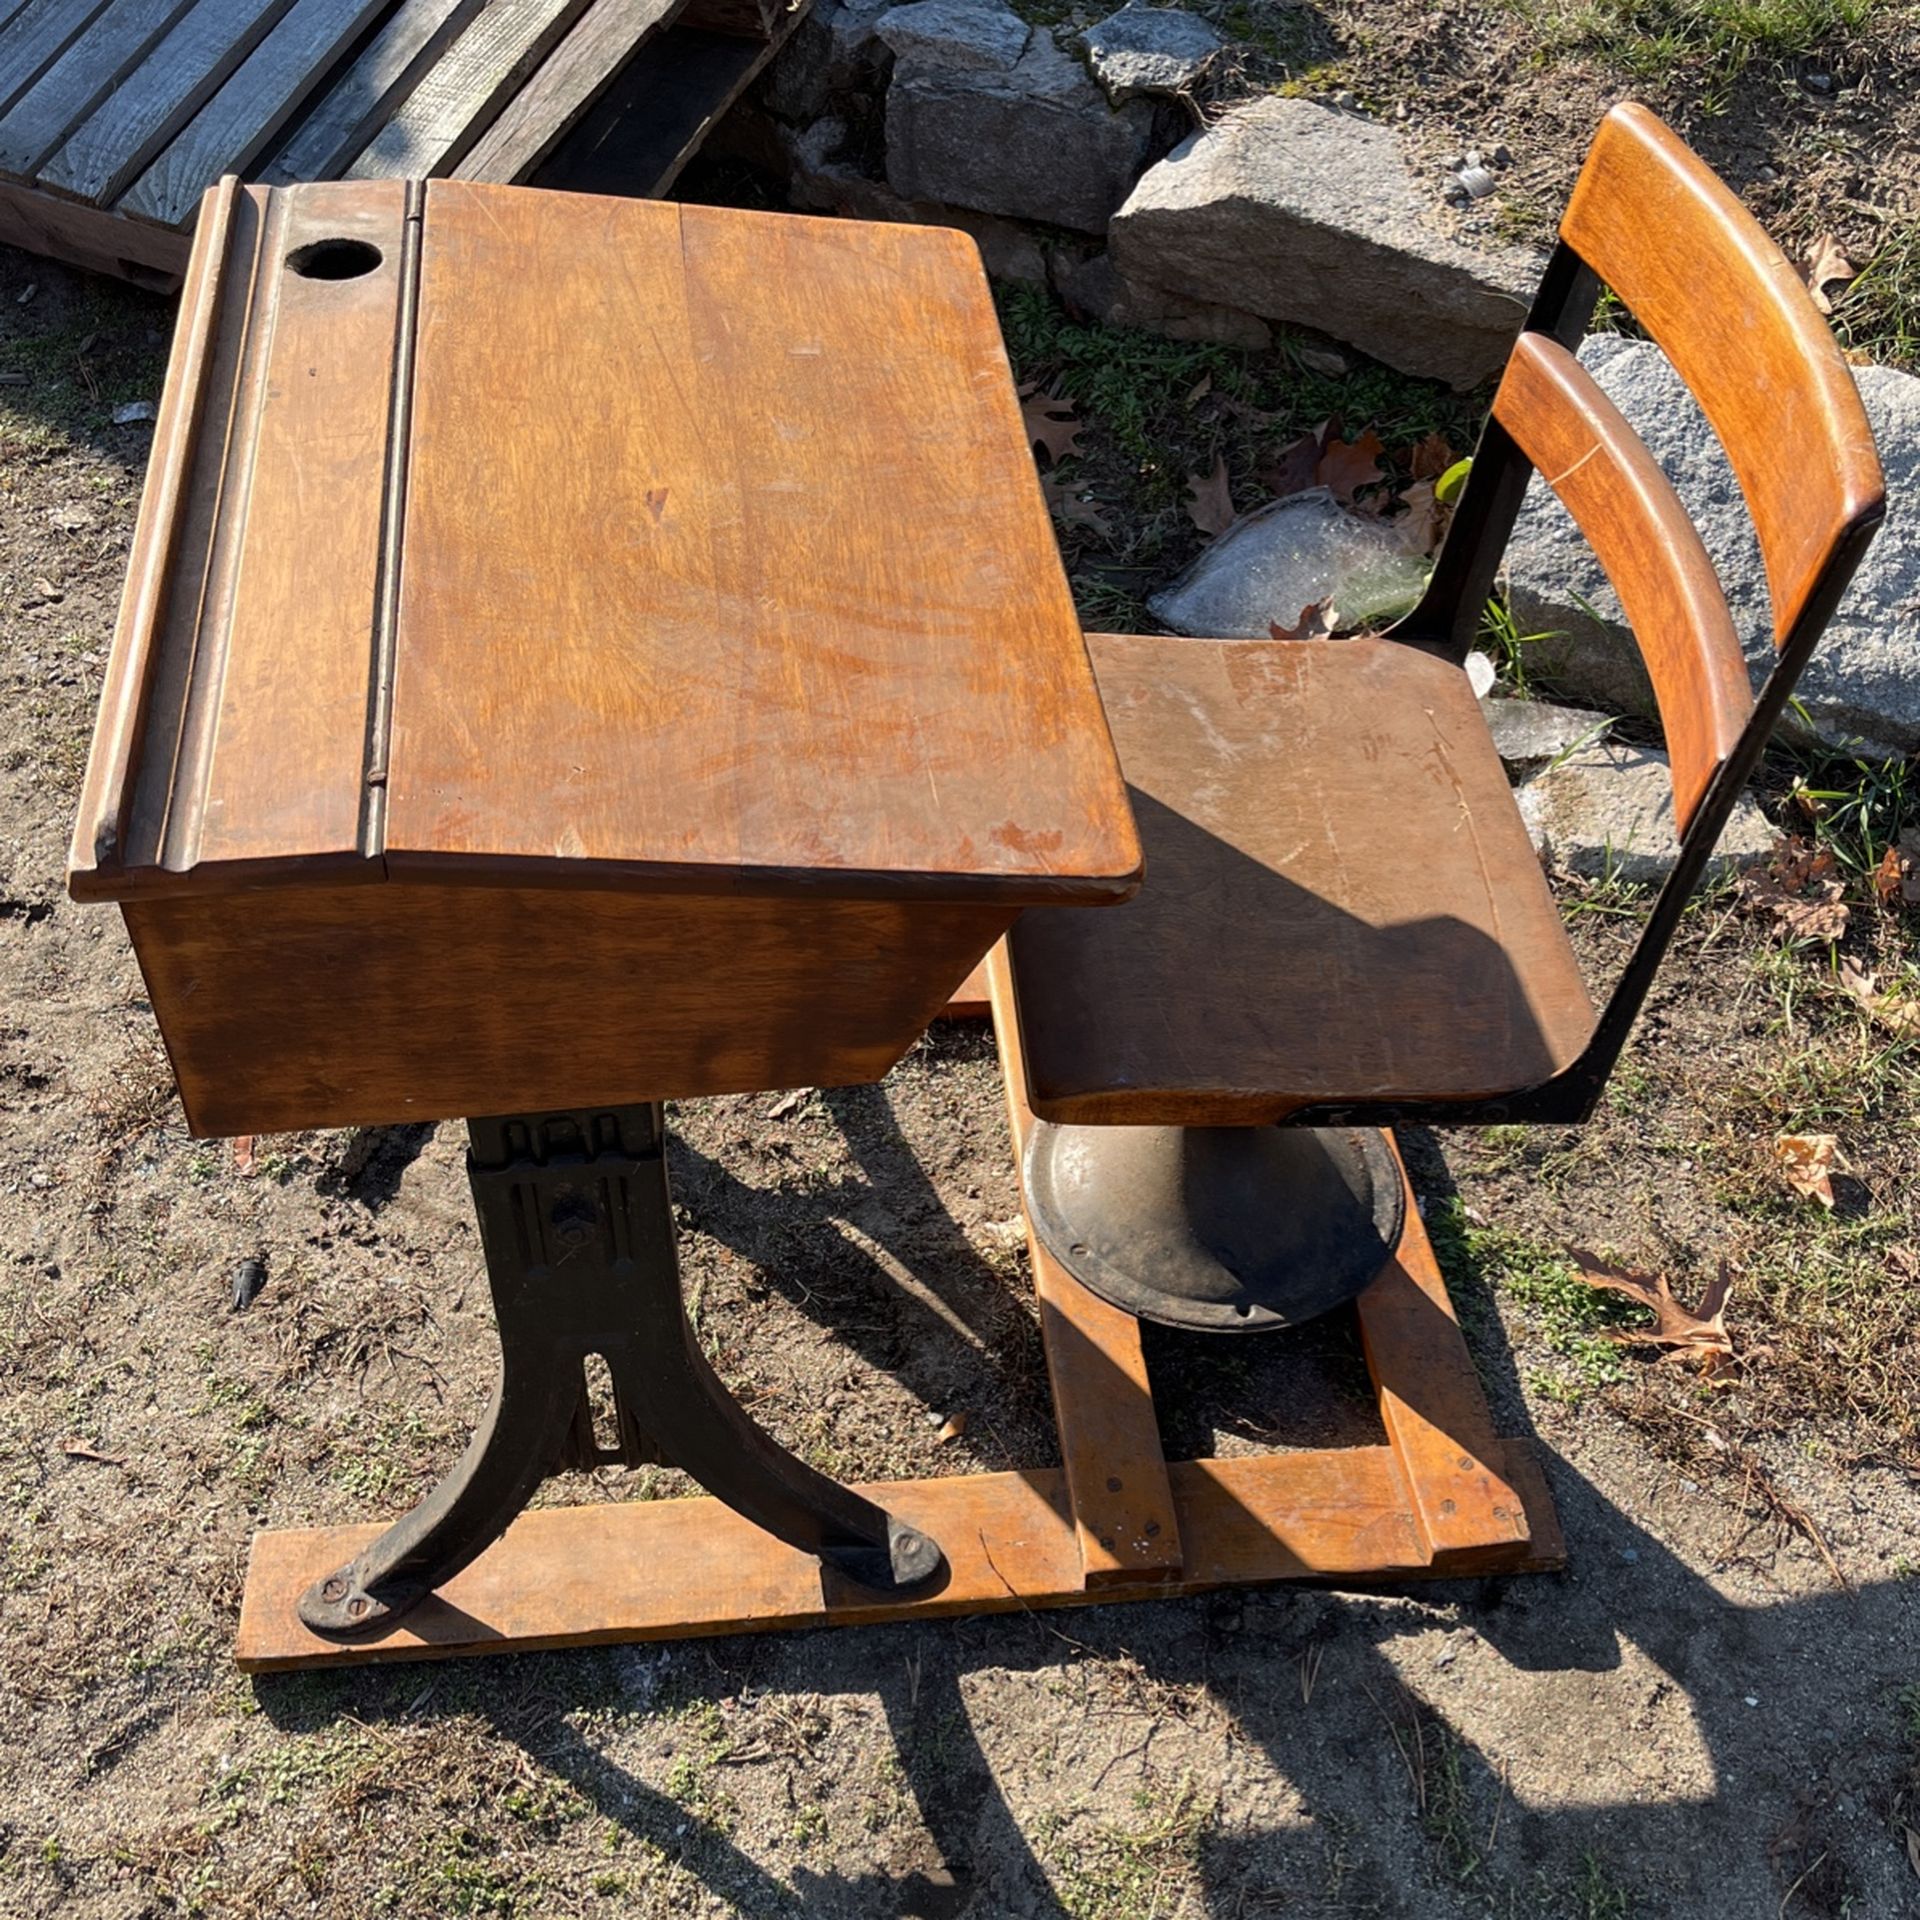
(1650, 220)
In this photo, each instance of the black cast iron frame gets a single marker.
(576, 1224)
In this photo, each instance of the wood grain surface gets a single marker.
(34, 39)
(1341, 901)
(372, 1005)
(1730, 311)
(751, 578)
(1632, 518)
(670, 1569)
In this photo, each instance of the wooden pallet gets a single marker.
(1117, 1521)
(117, 115)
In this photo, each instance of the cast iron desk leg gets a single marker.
(577, 1230)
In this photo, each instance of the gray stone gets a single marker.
(1862, 686)
(1528, 733)
(1094, 287)
(1149, 50)
(1295, 212)
(1292, 554)
(1031, 138)
(1608, 811)
(968, 36)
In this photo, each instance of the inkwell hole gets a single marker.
(334, 259)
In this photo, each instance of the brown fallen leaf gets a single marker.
(1210, 498)
(1424, 523)
(243, 1155)
(1899, 1014)
(1316, 622)
(1896, 880)
(788, 1103)
(1806, 1162)
(952, 1428)
(1801, 888)
(79, 1450)
(1070, 505)
(1050, 422)
(1697, 1333)
(1824, 266)
(1200, 389)
(1345, 469)
(1291, 470)
(1430, 457)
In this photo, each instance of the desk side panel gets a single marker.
(294, 1007)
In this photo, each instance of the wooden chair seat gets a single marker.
(1341, 902)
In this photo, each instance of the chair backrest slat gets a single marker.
(1582, 447)
(1730, 312)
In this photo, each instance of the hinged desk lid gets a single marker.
(539, 537)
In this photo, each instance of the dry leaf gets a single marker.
(1073, 507)
(1890, 878)
(1346, 469)
(1421, 527)
(1324, 361)
(1430, 457)
(1698, 1333)
(1050, 422)
(952, 1428)
(1200, 389)
(1801, 889)
(1898, 1014)
(1807, 1163)
(1315, 623)
(788, 1103)
(1210, 501)
(1291, 470)
(1824, 266)
(1913, 1848)
(79, 1450)
(243, 1155)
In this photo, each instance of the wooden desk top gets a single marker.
(539, 539)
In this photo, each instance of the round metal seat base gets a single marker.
(1223, 1229)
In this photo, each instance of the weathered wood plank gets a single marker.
(92, 237)
(572, 77)
(367, 95)
(88, 69)
(108, 151)
(455, 104)
(1434, 1410)
(260, 96)
(35, 38)
(650, 122)
(1123, 1507)
(668, 1569)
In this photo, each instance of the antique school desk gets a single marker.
(580, 653)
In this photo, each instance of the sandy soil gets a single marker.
(1701, 1717)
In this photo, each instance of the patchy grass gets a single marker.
(1714, 40)
(1115, 1872)
(1878, 316)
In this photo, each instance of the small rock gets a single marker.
(1149, 50)
(1631, 1555)
(133, 411)
(1528, 733)
(1502, 155)
(1480, 674)
(1346, 101)
(74, 517)
(1607, 811)
(1324, 361)
(1767, 175)
(248, 1279)
(1291, 554)
(1471, 158)
(25, 295)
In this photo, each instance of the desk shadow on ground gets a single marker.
(1286, 1750)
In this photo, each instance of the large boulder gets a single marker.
(1861, 689)
(986, 112)
(1299, 213)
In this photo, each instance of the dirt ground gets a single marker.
(1714, 1712)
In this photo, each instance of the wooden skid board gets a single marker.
(674, 1569)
